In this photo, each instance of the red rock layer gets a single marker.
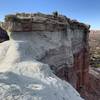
(78, 75)
(92, 92)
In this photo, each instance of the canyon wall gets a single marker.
(55, 40)
(93, 88)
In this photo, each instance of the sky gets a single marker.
(86, 11)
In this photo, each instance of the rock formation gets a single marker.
(3, 35)
(39, 42)
(92, 92)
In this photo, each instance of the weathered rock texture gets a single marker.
(92, 92)
(55, 40)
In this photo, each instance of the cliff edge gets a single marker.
(41, 49)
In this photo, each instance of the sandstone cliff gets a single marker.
(93, 88)
(38, 43)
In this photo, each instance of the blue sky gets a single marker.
(87, 11)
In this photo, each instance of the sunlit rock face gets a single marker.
(42, 47)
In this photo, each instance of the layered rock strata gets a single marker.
(51, 39)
